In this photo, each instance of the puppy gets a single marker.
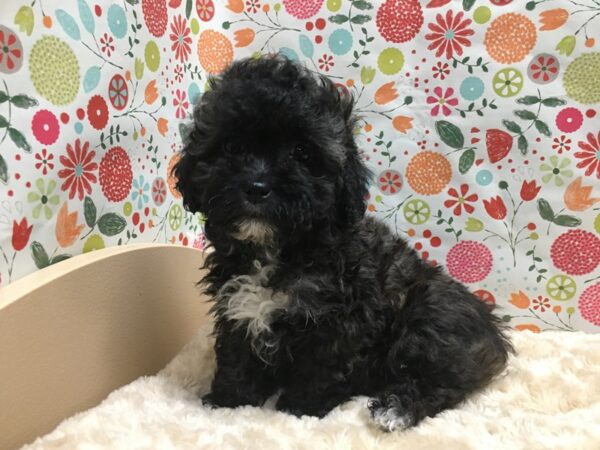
(311, 298)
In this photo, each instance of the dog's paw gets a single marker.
(389, 414)
(208, 401)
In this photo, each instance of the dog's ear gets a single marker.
(351, 200)
(192, 173)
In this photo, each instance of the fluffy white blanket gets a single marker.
(549, 398)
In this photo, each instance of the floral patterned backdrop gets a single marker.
(480, 120)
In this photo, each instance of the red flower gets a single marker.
(498, 144)
(11, 51)
(78, 170)
(97, 112)
(178, 73)
(561, 143)
(44, 159)
(441, 70)
(529, 190)
(20, 234)
(590, 156)
(180, 35)
(449, 34)
(541, 303)
(495, 207)
(107, 44)
(460, 201)
(326, 62)
(442, 100)
(390, 182)
(253, 5)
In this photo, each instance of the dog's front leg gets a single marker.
(313, 398)
(241, 377)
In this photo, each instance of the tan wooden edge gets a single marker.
(75, 331)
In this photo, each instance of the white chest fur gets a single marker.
(250, 303)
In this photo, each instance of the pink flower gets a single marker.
(590, 155)
(442, 100)
(180, 103)
(44, 161)
(180, 36)
(78, 172)
(561, 143)
(178, 73)
(449, 34)
(441, 70)
(252, 6)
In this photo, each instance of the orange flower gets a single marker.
(244, 37)
(402, 123)
(368, 127)
(553, 19)
(237, 6)
(557, 309)
(67, 231)
(386, 93)
(528, 326)
(577, 197)
(163, 126)
(151, 93)
(519, 299)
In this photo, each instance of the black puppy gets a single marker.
(312, 298)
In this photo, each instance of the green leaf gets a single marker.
(545, 210)
(468, 4)
(450, 134)
(40, 257)
(338, 18)
(19, 140)
(553, 101)
(89, 211)
(523, 144)
(23, 101)
(362, 5)
(133, 2)
(474, 225)
(188, 8)
(466, 161)
(525, 115)
(528, 100)
(566, 221)
(512, 126)
(3, 170)
(59, 258)
(3, 97)
(360, 19)
(111, 224)
(3, 122)
(543, 128)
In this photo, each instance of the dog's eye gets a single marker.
(300, 153)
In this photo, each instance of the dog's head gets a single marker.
(272, 154)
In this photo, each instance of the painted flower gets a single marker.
(118, 92)
(97, 112)
(561, 143)
(460, 201)
(21, 233)
(578, 197)
(543, 68)
(67, 230)
(43, 198)
(206, 9)
(495, 207)
(442, 99)
(390, 182)
(449, 34)
(140, 191)
(11, 51)
(78, 170)
(45, 127)
(519, 299)
(566, 45)
(244, 37)
(44, 161)
(252, 6)
(541, 303)
(326, 62)
(507, 82)
(180, 103)
(162, 125)
(106, 44)
(180, 38)
(589, 155)
(529, 190)
(556, 170)
(402, 123)
(178, 73)
(441, 70)
(386, 93)
(553, 19)
(569, 120)
(159, 191)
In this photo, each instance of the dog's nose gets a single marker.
(258, 190)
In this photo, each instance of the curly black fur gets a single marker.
(312, 298)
